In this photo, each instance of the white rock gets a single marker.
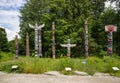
(101, 74)
(80, 73)
(55, 73)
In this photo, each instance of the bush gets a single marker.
(35, 65)
(6, 56)
(0, 55)
(7, 66)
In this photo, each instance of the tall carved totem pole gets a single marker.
(38, 43)
(16, 46)
(86, 37)
(110, 29)
(68, 45)
(53, 40)
(27, 45)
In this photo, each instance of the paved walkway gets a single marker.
(38, 78)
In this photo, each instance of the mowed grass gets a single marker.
(40, 65)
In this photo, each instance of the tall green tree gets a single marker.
(115, 18)
(11, 45)
(109, 16)
(69, 17)
(30, 13)
(3, 40)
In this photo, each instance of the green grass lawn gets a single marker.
(41, 65)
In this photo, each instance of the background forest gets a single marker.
(69, 17)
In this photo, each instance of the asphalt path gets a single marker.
(41, 78)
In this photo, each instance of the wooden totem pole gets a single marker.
(110, 29)
(38, 43)
(68, 45)
(16, 46)
(27, 45)
(53, 40)
(86, 37)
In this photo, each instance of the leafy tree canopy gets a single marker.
(69, 17)
(3, 40)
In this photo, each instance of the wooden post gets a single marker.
(53, 40)
(16, 46)
(68, 45)
(86, 37)
(27, 45)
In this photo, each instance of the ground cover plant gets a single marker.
(40, 65)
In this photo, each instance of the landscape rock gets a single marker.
(54, 73)
(101, 74)
(80, 73)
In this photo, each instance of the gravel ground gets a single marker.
(40, 78)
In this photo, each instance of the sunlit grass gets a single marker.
(41, 65)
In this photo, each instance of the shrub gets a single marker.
(6, 56)
(7, 66)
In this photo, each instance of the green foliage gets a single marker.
(102, 53)
(31, 65)
(7, 66)
(3, 40)
(41, 65)
(21, 47)
(11, 45)
(64, 62)
(109, 16)
(6, 56)
(0, 55)
(69, 17)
